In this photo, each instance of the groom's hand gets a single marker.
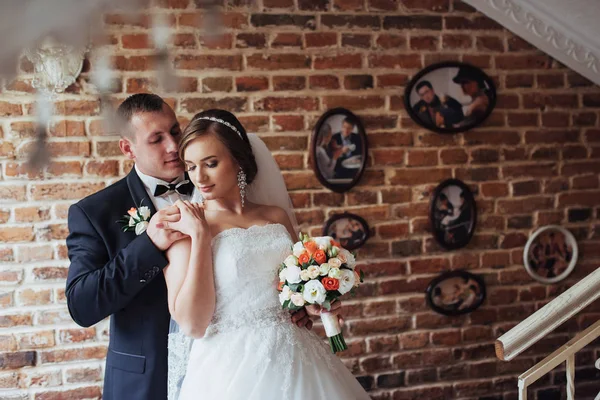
(161, 237)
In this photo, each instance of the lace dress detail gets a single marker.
(179, 346)
(251, 349)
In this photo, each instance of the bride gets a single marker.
(235, 340)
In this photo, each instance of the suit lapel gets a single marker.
(138, 191)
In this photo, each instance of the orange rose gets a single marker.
(280, 286)
(330, 283)
(320, 256)
(304, 258)
(334, 243)
(311, 247)
(132, 211)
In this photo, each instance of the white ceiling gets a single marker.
(568, 30)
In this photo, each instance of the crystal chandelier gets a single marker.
(56, 65)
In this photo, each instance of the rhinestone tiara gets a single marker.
(227, 124)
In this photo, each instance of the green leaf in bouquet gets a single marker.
(296, 287)
(361, 274)
(294, 307)
(332, 295)
(326, 305)
(286, 304)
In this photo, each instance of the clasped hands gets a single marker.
(173, 223)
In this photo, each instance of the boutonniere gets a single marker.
(136, 220)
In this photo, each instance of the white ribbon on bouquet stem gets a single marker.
(331, 324)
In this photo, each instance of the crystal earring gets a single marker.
(242, 184)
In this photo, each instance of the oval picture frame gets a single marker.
(550, 254)
(450, 97)
(456, 292)
(356, 226)
(335, 170)
(453, 214)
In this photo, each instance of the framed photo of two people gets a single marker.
(450, 97)
(339, 149)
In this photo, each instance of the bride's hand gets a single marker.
(303, 317)
(192, 221)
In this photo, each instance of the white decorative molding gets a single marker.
(560, 28)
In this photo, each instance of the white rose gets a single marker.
(298, 249)
(351, 261)
(285, 295)
(323, 242)
(304, 275)
(282, 275)
(290, 261)
(314, 292)
(324, 269)
(292, 274)
(347, 258)
(131, 221)
(141, 227)
(346, 281)
(334, 273)
(335, 262)
(313, 271)
(297, 299)
(144, 212)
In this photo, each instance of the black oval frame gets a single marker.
(439, 236)
(448, 64)
(454, 274)
(337, 217)
(339, 188)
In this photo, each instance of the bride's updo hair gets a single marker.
(239, 146)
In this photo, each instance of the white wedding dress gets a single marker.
(251, 349)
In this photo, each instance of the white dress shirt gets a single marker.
(166, 199)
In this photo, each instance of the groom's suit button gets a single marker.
(155, 269)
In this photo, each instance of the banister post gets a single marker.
(571, 377)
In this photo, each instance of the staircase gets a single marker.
(544, 321)
(567, 30)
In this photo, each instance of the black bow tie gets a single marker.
(184, 187)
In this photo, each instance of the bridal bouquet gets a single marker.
(318, 271)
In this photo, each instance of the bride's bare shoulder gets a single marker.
(272, 213)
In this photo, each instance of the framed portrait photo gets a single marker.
(350, 230)
(455, 293)
(550, 254)
(339, 149)
(450, 97)
(453, 214)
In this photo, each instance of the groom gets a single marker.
(119, 273)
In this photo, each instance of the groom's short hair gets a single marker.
(137, 103)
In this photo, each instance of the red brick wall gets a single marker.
(279, 64)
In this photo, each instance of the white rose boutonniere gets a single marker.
(136, 220)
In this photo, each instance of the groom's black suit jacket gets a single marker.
(119, 274)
